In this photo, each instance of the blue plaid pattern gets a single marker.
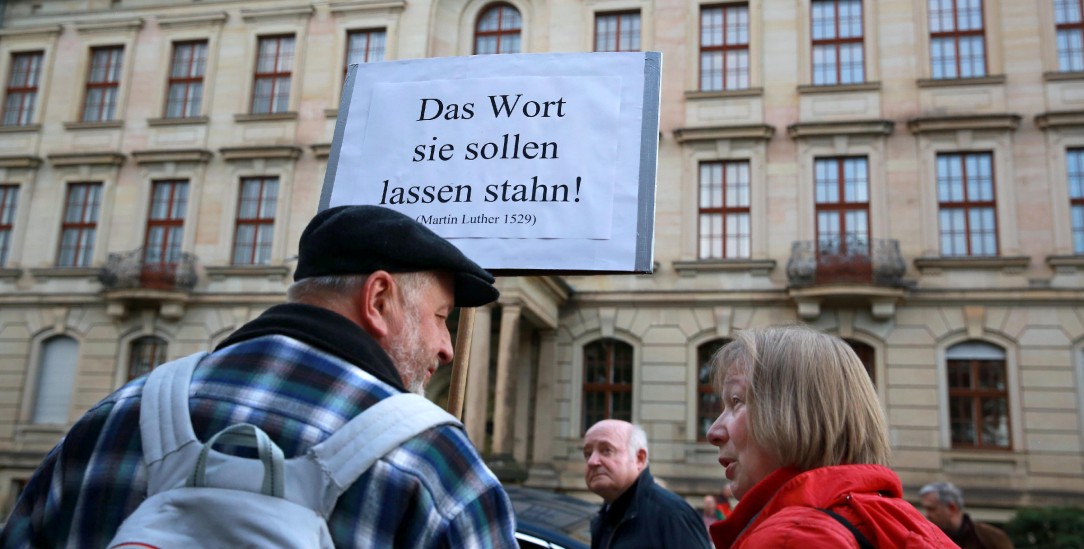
(434, 491)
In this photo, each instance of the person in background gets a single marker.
(637, 512)
(944, 506)
(724, 502)
(804, 443)
(710, 512)
(365, 319)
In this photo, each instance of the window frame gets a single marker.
(142, 348)
(188, 81)
(276, 76)
(368, 32)
(955, 36)
(256, 223)
(608, 348)
(977, 395)
(837, 43)
(1075, 184)
(966, 204)
(619, 17)
(724, 48)
(842, 206)
(704, 352)
(29, 89)
(726, 211)
(84, 247)
(1076, 58)
(9, 202)
(106, 110)
(501, 31)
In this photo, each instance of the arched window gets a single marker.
(865, 354)
(607, 381)
(498, 30)
(708, 403)
(145, 353)
(978, 396)
(56, 379)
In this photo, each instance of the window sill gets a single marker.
(331, 113)
(724, 94)
(10, 275)
(1059, 76)
(755, 267)
(270, 117)
(272, 272)
(1014, 264)
(106, 125)
(190, 121)
(953, 82)
(838, 88)
(65, 272)
(25, 128)
(1067, 264)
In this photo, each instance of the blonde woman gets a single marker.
(805, 446)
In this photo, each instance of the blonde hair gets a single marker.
(810, 401)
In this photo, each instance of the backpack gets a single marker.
(200, 497)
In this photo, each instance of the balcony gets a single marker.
(130, 280)
(846, 271)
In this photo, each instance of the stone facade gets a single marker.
(1026, 300)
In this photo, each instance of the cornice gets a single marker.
(951, 123)
(715, 133)
(827, 129)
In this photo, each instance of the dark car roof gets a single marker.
(552, 516)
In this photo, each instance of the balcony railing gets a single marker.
(131, 270)
(846, 261)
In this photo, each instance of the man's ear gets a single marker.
(641, 459)
(374, 302)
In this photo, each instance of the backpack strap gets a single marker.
(371, 435)
(164, 423)
(863, 541)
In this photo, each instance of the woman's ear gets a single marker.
(374, 302)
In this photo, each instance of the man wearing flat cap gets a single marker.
(365, 319)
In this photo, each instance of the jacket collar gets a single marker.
(326, 330)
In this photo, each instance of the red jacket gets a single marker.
(781, 512)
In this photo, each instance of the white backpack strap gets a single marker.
(385, 426)
(164, 422)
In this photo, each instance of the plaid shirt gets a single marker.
(433, 491)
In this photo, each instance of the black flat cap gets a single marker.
(365, 239)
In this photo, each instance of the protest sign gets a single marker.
(526, 162)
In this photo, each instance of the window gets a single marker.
(103, 82)
(617, 31)
(9, 195)
(724, 209)
(56, 379)
(274, 66)
(498, 30)
(978, 396)
(185, 96)
(165, 233)
(364, 46)
(1075, 159)
(957, 46)
(841, 195)
(80, 225)
(708, 403)
(724, 47)
(22, 92)
(1070, 36)
(607, 381)
(965, 192)
(837, 42)
(255, 220)
(865, 355)
(145, 353)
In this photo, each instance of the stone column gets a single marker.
(504, 408)
(477, 396)
(542, 472)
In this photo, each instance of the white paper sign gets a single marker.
(525, 162)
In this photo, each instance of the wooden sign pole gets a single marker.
(461, 362)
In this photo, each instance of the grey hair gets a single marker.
(637, 439)
(947, 492)
(319, 289)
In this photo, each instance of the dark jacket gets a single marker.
(979, 535)
(648, 516)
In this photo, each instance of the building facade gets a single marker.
(908, 175)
